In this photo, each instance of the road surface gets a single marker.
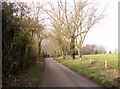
(57, 75)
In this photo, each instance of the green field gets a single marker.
(101, 58)
(93, 67)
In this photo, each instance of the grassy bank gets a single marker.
(27, 78)
(34, 77)
(93, 67)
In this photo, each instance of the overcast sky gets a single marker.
(106, 32)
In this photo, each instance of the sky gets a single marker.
(106, 32)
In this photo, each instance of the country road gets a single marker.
(57, 75)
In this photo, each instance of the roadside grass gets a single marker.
(34, 77)
(30, 77)
(95, 70)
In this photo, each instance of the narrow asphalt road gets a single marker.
(57, 75)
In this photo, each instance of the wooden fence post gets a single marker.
(106, 64)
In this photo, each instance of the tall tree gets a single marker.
(18, 32)
(57, 28)
(79, 21)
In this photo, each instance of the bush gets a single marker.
(18, 52)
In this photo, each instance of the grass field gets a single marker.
(93, 66)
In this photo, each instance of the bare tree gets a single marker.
(86, 17)
(73, 24)
(33, 22)
(57, 29)
(38, 28)
(80, 20)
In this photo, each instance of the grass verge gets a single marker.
(96, 70)
(30, 77)
(34, 77)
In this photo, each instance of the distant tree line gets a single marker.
(20, 30)
(93, 49)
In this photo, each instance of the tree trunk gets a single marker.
(63, 53)
(66, 54)
(39, 48)
(59, 52)
(79, 54)
(72, 48)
